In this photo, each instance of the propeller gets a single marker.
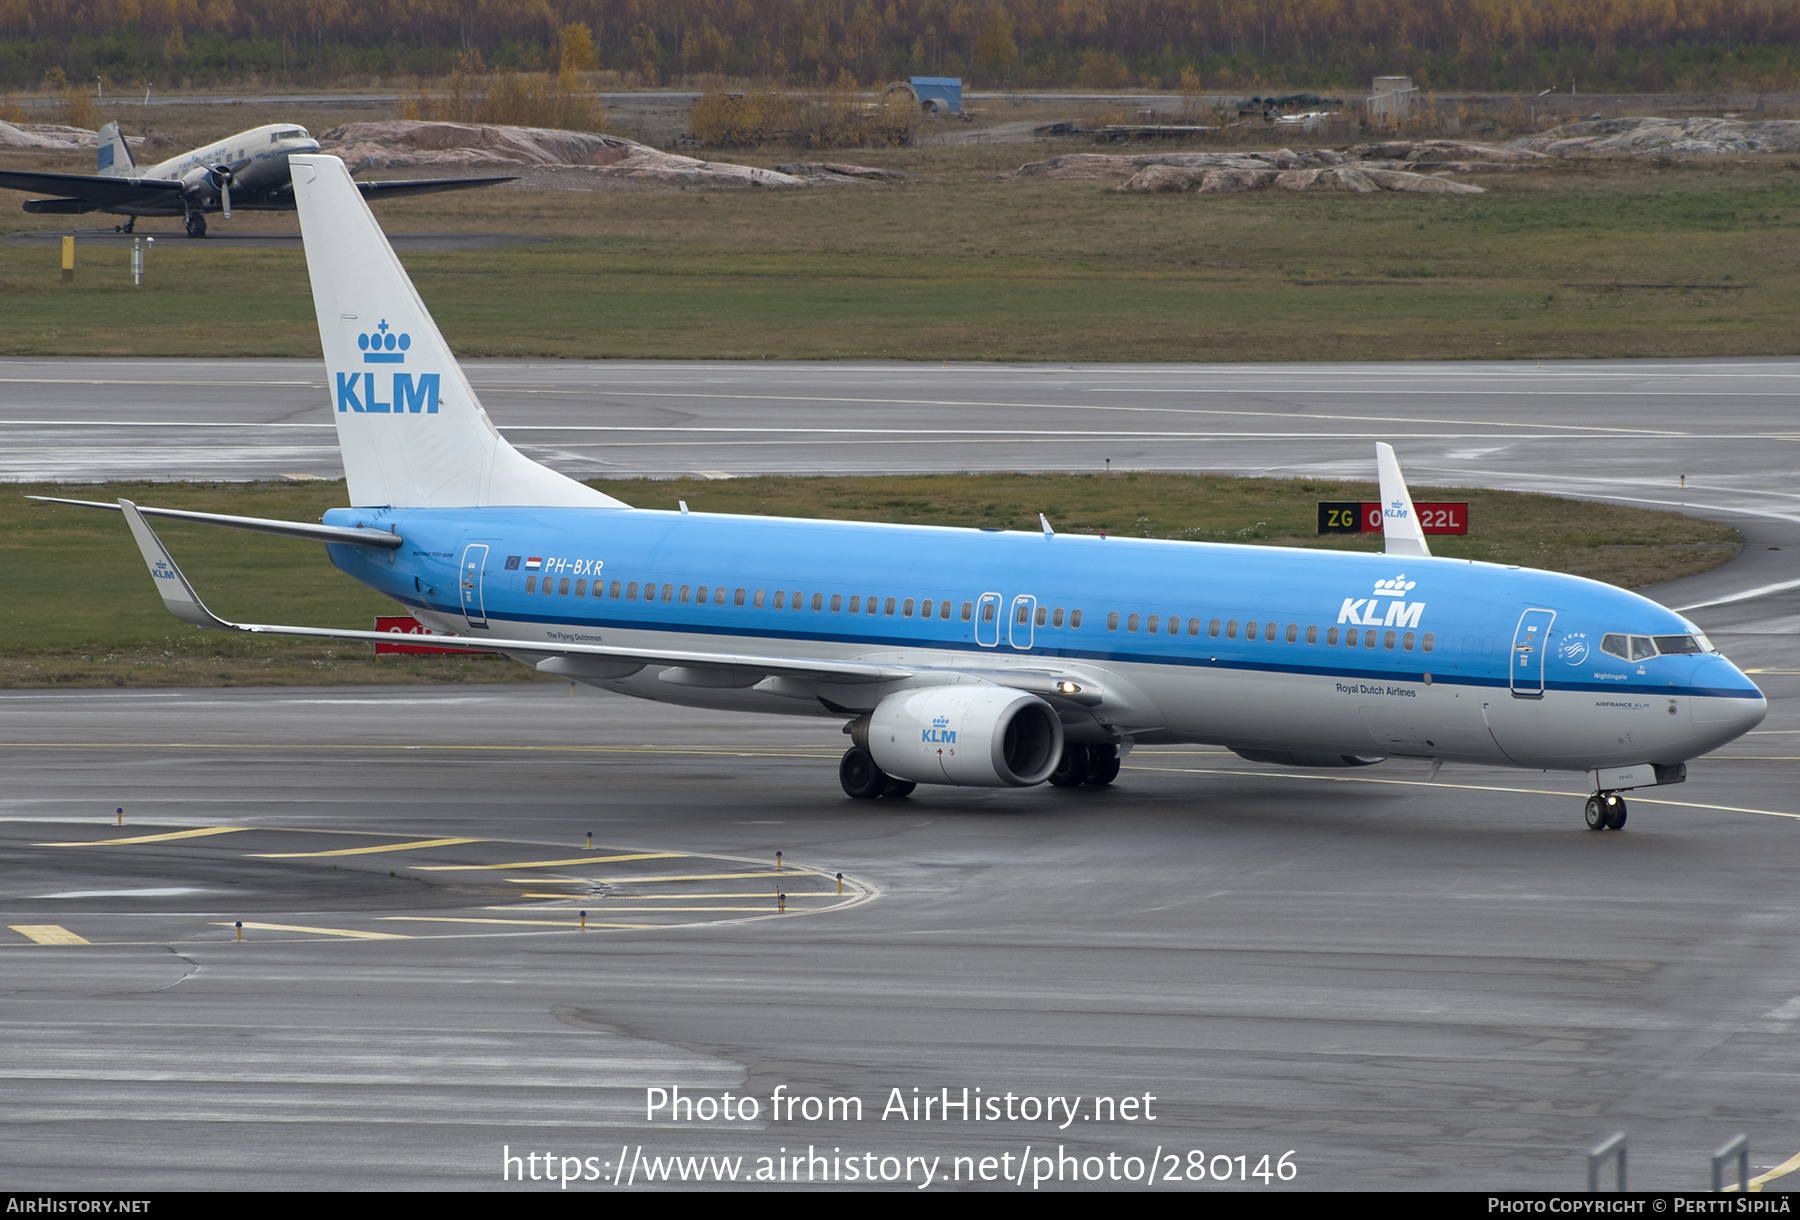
(221, 177)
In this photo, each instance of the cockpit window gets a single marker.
(1678, 644)
(1629, 647)
(292, 133)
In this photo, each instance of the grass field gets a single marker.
(1589, 260)
(83, 612)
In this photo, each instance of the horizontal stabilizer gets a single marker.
(1399, 520)
(260, 525)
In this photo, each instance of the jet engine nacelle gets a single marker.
(975, 736)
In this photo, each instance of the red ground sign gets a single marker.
(407, 625)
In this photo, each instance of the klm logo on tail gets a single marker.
(357, 392)
(379, 347)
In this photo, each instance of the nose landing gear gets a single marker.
(1605, 811)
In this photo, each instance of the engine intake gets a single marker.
(973, 736)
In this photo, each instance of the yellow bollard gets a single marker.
(840, 883)
(778, 862)
(121, 815)
(68, 268)
(590, 845)
(781, 902)
(584, 921)
(240, 927)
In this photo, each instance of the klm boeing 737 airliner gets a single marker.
(955, 656)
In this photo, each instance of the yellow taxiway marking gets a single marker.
(162, 838)
(1782, 1170)
(767, 906)
(452, 868)
(786, 872)
(689, 897)
(1421, 783)
(360, 851)
(535, 923)
(47, 934)
(351, 933)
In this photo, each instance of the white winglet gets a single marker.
(412, 432)
(177, 594)
(1399, 520)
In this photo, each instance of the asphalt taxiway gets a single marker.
(1409, 984)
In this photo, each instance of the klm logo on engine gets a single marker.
(939, 733)
(1368, 611)
(358, 392)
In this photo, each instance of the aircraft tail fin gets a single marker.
(410, 429)
(1399, 520)
(114, 155)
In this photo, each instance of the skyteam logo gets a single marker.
(383, 346)
(1368, 612)
(358, 393)
(939, 733)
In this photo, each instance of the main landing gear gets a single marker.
(1605, 811)
(196, 225)
(1095, 766)
(865, 781)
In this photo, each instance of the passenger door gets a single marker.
(474, 566)
(1020, 627)
(1528, 649)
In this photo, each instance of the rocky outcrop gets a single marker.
(1658, 137)
(834, 171)
(1101, 166)
(1460, 156)
(1351, 178)
(412, 143)
(57, 138)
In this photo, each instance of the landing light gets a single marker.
(1067, 688)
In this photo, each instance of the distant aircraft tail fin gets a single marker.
(1399, 520)
(114, 154)
(411, 431)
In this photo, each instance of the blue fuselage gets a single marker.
(1245, 646)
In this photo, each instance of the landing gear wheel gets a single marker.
(860, 776)
(1103, 766)
(897, 788)
(1616, 820)
(1072, 768)
(196, 225)
(1596, 814)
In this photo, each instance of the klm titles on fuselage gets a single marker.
(1399, 613)
(383, 346)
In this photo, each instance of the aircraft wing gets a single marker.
(398, 187)
(97, 189)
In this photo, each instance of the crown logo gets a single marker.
(940, 722)
(1397, 587)
(383, 346)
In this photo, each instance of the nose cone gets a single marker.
(1726, 704)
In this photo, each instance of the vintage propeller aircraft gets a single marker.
(249, 169)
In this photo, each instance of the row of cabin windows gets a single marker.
(716, 595)
(1268, 632)
(928, 608)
